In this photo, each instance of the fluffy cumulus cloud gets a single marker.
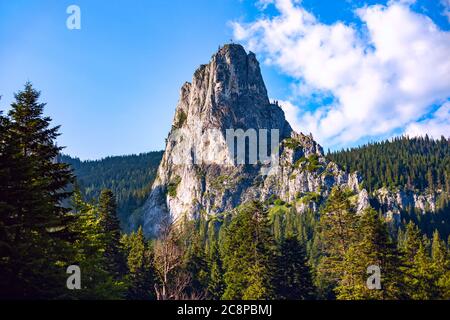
(384, 76)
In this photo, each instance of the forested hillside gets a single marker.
(129, 177)
(417, 163)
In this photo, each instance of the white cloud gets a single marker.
(291, 113)
(436, 126)
(383, 77)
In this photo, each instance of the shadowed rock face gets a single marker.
(392, 202)
(199, 172)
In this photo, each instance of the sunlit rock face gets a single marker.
(200, 172)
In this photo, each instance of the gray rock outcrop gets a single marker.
(200, 172)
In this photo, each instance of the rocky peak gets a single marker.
(223, 92)
(199, 172)
(237, 75)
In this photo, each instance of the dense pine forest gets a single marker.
(415, 163)
(129, 177)
(257, 251)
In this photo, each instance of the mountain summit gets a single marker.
(229, 144)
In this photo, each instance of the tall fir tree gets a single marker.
(293, 276)
(337, 233)
(411, 242)
(141, 276)
(216, 285)
(96, 280)
(440, 259)
(248, 255)
(34, 223)
(372, 248)
(419, 278)
(112, 234)
(195, 262)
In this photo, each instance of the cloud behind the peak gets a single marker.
(384, 76)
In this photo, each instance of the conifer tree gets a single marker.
(419, 278)
(277, 227)
(140, 266)
(441, 266)
(96, 280)
(258, 287)
(290, 229)
(248, 255)
(34, 223)
(195, 262)
(411, 243)
(337, 233)
(216, 285)
(111, 229)
(372, 248)
(293, 278)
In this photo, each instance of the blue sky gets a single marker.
(114, 84)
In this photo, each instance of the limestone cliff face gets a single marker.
(200, 172)
(392, 202)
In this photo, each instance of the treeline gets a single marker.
(129, 177)
(268, 251)
(421, 163)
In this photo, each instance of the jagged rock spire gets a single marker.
(199, 171)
